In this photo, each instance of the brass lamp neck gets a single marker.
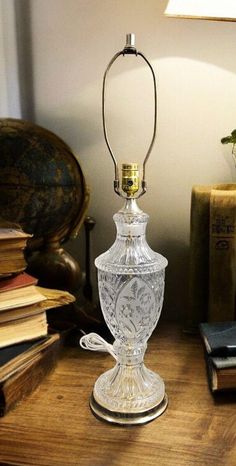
(130, 178)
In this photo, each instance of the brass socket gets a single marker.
(130, 178)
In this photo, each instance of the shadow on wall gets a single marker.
(25, 59)
(177, 252)
(76, 128)
(177, 281)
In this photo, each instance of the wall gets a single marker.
(195, 65)
(9, 77)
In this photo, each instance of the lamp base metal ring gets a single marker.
(126, 419)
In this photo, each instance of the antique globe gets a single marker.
(42, 188)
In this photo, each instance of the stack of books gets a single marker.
(27, 351)
(219, 340)
(12, 244)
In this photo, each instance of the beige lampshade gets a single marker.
(216, 10)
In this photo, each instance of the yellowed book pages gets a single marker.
(12, 245)
(12, 233)
(20, 312)
(11, 256)
(20, 297)
(52, 299)
(55, 298)
(23, 330)
(12, 266)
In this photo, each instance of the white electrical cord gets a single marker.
(94, 342)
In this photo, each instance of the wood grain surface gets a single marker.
(54, 425)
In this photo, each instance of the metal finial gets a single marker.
(130, 40)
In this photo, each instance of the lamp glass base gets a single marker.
(131, 290)
(129, 395)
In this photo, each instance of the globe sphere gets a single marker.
(42, 186)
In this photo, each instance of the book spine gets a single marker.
(25, 382)
(199, 256)
(222, 276)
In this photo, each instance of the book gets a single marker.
(25, 323)
(21, 312)
(20, 297)
(12, 265)
(221, 378)
(219, 338)
(23, 367)
(212, 278)
(56, 298)
(17, 281)
(13, 236)
(15, 357)
(224, 361)
(53, 299)
(222, 255)
(199, 257)
(219, 341)
(25, 329)
(12, 244)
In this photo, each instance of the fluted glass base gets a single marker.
(131, 278)
(129, 395)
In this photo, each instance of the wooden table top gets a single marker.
(54, 425)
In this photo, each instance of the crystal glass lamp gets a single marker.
(131, 289)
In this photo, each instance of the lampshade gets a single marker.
(216, 10)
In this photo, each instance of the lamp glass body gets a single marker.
(131, 289)
(218, 10)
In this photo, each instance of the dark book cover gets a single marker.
(9, 353)
(219, 338)
(28, 376)
(12, 358)
(220, 378)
